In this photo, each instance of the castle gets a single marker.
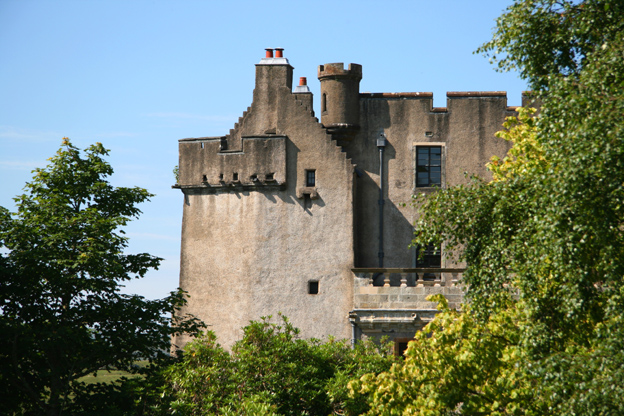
(288, 214)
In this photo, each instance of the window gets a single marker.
(428, 166)
(313, 287)
(428, 256)
(324, 103)
(400, 346)
(310, 178)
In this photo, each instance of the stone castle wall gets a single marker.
(255, 234)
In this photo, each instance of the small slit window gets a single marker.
(310, 178)
(313, 287)
(270, 176)
(235, 176)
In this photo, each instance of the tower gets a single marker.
(340, 99)
(268, 216)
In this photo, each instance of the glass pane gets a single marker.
(434, 261)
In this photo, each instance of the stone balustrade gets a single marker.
(405, 288)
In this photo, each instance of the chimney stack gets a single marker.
(302, 87)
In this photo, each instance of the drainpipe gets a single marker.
(381, 144)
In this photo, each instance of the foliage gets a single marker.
(455, 365)
(202, 382)
(526, 154)
(62, 315)
(546, 38)
(543, 241)
(367, 357)
(271, 371)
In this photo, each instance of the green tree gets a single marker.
(456, 365)
(271, 371)
(544, 240)
(62, 315)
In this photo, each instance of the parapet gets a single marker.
(336, 70)
(206, 164)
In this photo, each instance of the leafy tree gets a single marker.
(62, 315)
(202, 383)
(271, 371)
(367, 357)
(543, 241)
(543, 39)
(287, 371)
(456, 365)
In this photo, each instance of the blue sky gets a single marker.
(139, 75)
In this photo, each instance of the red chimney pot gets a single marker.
(278, 52)
(303, 81)
(269, 52)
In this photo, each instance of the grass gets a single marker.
(110, 376)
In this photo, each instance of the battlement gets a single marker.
(451, 96)
(336, 70)
(205, 163)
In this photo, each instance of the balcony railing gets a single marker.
(410, 277)
(404, 290)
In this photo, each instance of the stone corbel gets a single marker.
(307, 190)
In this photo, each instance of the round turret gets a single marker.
(340, 98)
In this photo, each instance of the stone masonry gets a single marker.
(283, 214)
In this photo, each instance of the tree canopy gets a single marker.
(62, 315)
(543, 241)
(271, 371)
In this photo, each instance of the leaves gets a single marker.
(456, 364)
(61, 313)
(272, 371)
(543, 241)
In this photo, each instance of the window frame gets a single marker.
(308, 183)
(442, 165)
(431, 251)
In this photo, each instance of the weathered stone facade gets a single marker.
(283, 213)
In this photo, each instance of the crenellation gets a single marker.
(226, 168)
